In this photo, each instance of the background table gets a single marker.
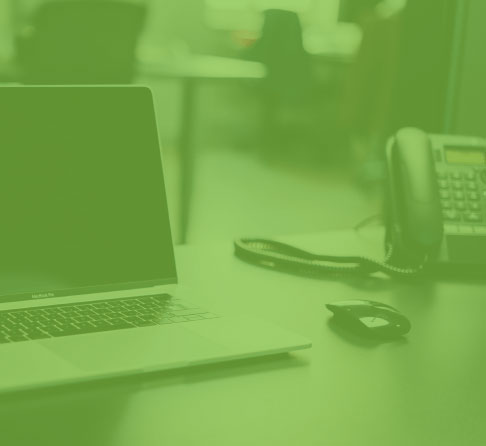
(428, 389)
(191, 70)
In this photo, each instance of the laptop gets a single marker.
(88, 281)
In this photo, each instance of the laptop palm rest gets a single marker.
(151, 348)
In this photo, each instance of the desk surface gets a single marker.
(428, 389)
(201, 67)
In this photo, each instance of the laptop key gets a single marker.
(13, 331)
(135, 320)
(101, 326)
(122, 325)
(18, 338)
(65, 330)
(145, 323)
(129, 313)
(37, 334)
(109, 313)
(90, 313)
(85, 327)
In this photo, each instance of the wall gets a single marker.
(470, 117)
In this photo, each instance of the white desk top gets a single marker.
(201, 67)
(428, 389)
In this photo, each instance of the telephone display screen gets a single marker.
(465, 156)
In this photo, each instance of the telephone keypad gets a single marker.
(452, 215)
(465, 229)
(462, 191)
(473, 217)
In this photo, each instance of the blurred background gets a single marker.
(273, 114)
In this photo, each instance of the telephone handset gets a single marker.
(435, 213)
(414, 212)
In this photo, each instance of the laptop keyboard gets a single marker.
(93, 317)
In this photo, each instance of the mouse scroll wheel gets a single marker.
(374, 322)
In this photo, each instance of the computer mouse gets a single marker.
(366, 317)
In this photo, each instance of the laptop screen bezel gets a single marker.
(120, 286)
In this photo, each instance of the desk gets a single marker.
(190, 70)
(426, 390)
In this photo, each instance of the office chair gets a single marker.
(81, 42)
(281, 49)
(287, 89)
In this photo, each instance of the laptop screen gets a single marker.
(83, 204)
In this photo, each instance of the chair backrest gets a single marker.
(82, 42)
(281, 49)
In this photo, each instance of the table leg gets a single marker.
(186, 158)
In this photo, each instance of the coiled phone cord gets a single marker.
(280, 256)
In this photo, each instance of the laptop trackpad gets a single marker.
(152, 348)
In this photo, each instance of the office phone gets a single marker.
(436, 204)
(435, 213)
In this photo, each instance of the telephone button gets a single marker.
(456, 175)
(480, 230)
(446, 205)
(457, 185)
(445, 195)
(460, 195)
(474, 206)
(452, 215)
(474, 217)
(461, 206)
(441, 175)
(470, 176)
(451, 229)
(482, 175)
(443, 184)
(473, 196)
(466, 229)
(471, 185)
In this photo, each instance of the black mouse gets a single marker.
(366, 317)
